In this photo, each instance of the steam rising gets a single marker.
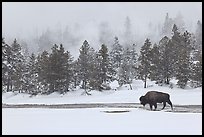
(98, 22)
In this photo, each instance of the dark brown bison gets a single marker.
(154, 97)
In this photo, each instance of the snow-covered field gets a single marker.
(95, 120)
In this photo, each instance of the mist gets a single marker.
(96, 22)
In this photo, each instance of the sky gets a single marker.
(26, 19)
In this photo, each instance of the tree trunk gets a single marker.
(130, 87)
(8, 84)
(145, 84)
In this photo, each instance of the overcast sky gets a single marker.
(26, 20)
(21, 17)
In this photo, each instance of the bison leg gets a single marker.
(155, 106)
(150, 106)
(164, 105)
(169, 102)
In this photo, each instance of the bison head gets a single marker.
(143, 100)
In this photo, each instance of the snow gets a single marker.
(94, 121)
(97, 121)
(189, 96)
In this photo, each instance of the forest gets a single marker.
(178, 54)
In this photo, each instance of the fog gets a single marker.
(94, 21)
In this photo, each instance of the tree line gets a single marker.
(176, 57)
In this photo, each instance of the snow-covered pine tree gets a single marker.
(134, 58)
(116, 54)
(166, 62)
(43, 72)
(145, 61)
(76, 72)
(85, 64)
(103, 55)
(126, 68)
(6, 67)
(69, 70)
(176, 45)
(95, 71)
(60, 75)
(116, 58)
(30, 77)
(183, 65)
(17, 65)
(155, 73)
(196, 70)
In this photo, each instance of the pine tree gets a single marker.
(166, 61)
(144, 59)
(103, 55)
(176, 45)
(126, 74)
(155, 74)
(84, 61)
(43, 72)
(196, 70)
(134, 58)
(76, 73)
(30, 77)
(17, 64)
(69, 70)
(6, 66)
(96, 76)
(183, 65)
(116, 54)
(60, 75)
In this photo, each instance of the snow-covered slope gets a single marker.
(191, 96)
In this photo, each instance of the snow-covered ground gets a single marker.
(96, 120)
(191, 96)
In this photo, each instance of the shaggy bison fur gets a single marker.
(154, 97)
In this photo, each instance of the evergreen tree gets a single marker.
(176, 45)
(166, 61)
(196, 70)
(6, 66)
(60, 75)
(144, 59)
(96, 76)
(30, 76)
(84, 61)
(103, 55)
(126, 69)
(17, 64)
(183, 65)
(116, 54)
(155, 73)
(116, 58)
(134, 58)
(69, 70)
(76, 74)
(43, 72)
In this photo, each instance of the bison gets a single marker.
(154, 97)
